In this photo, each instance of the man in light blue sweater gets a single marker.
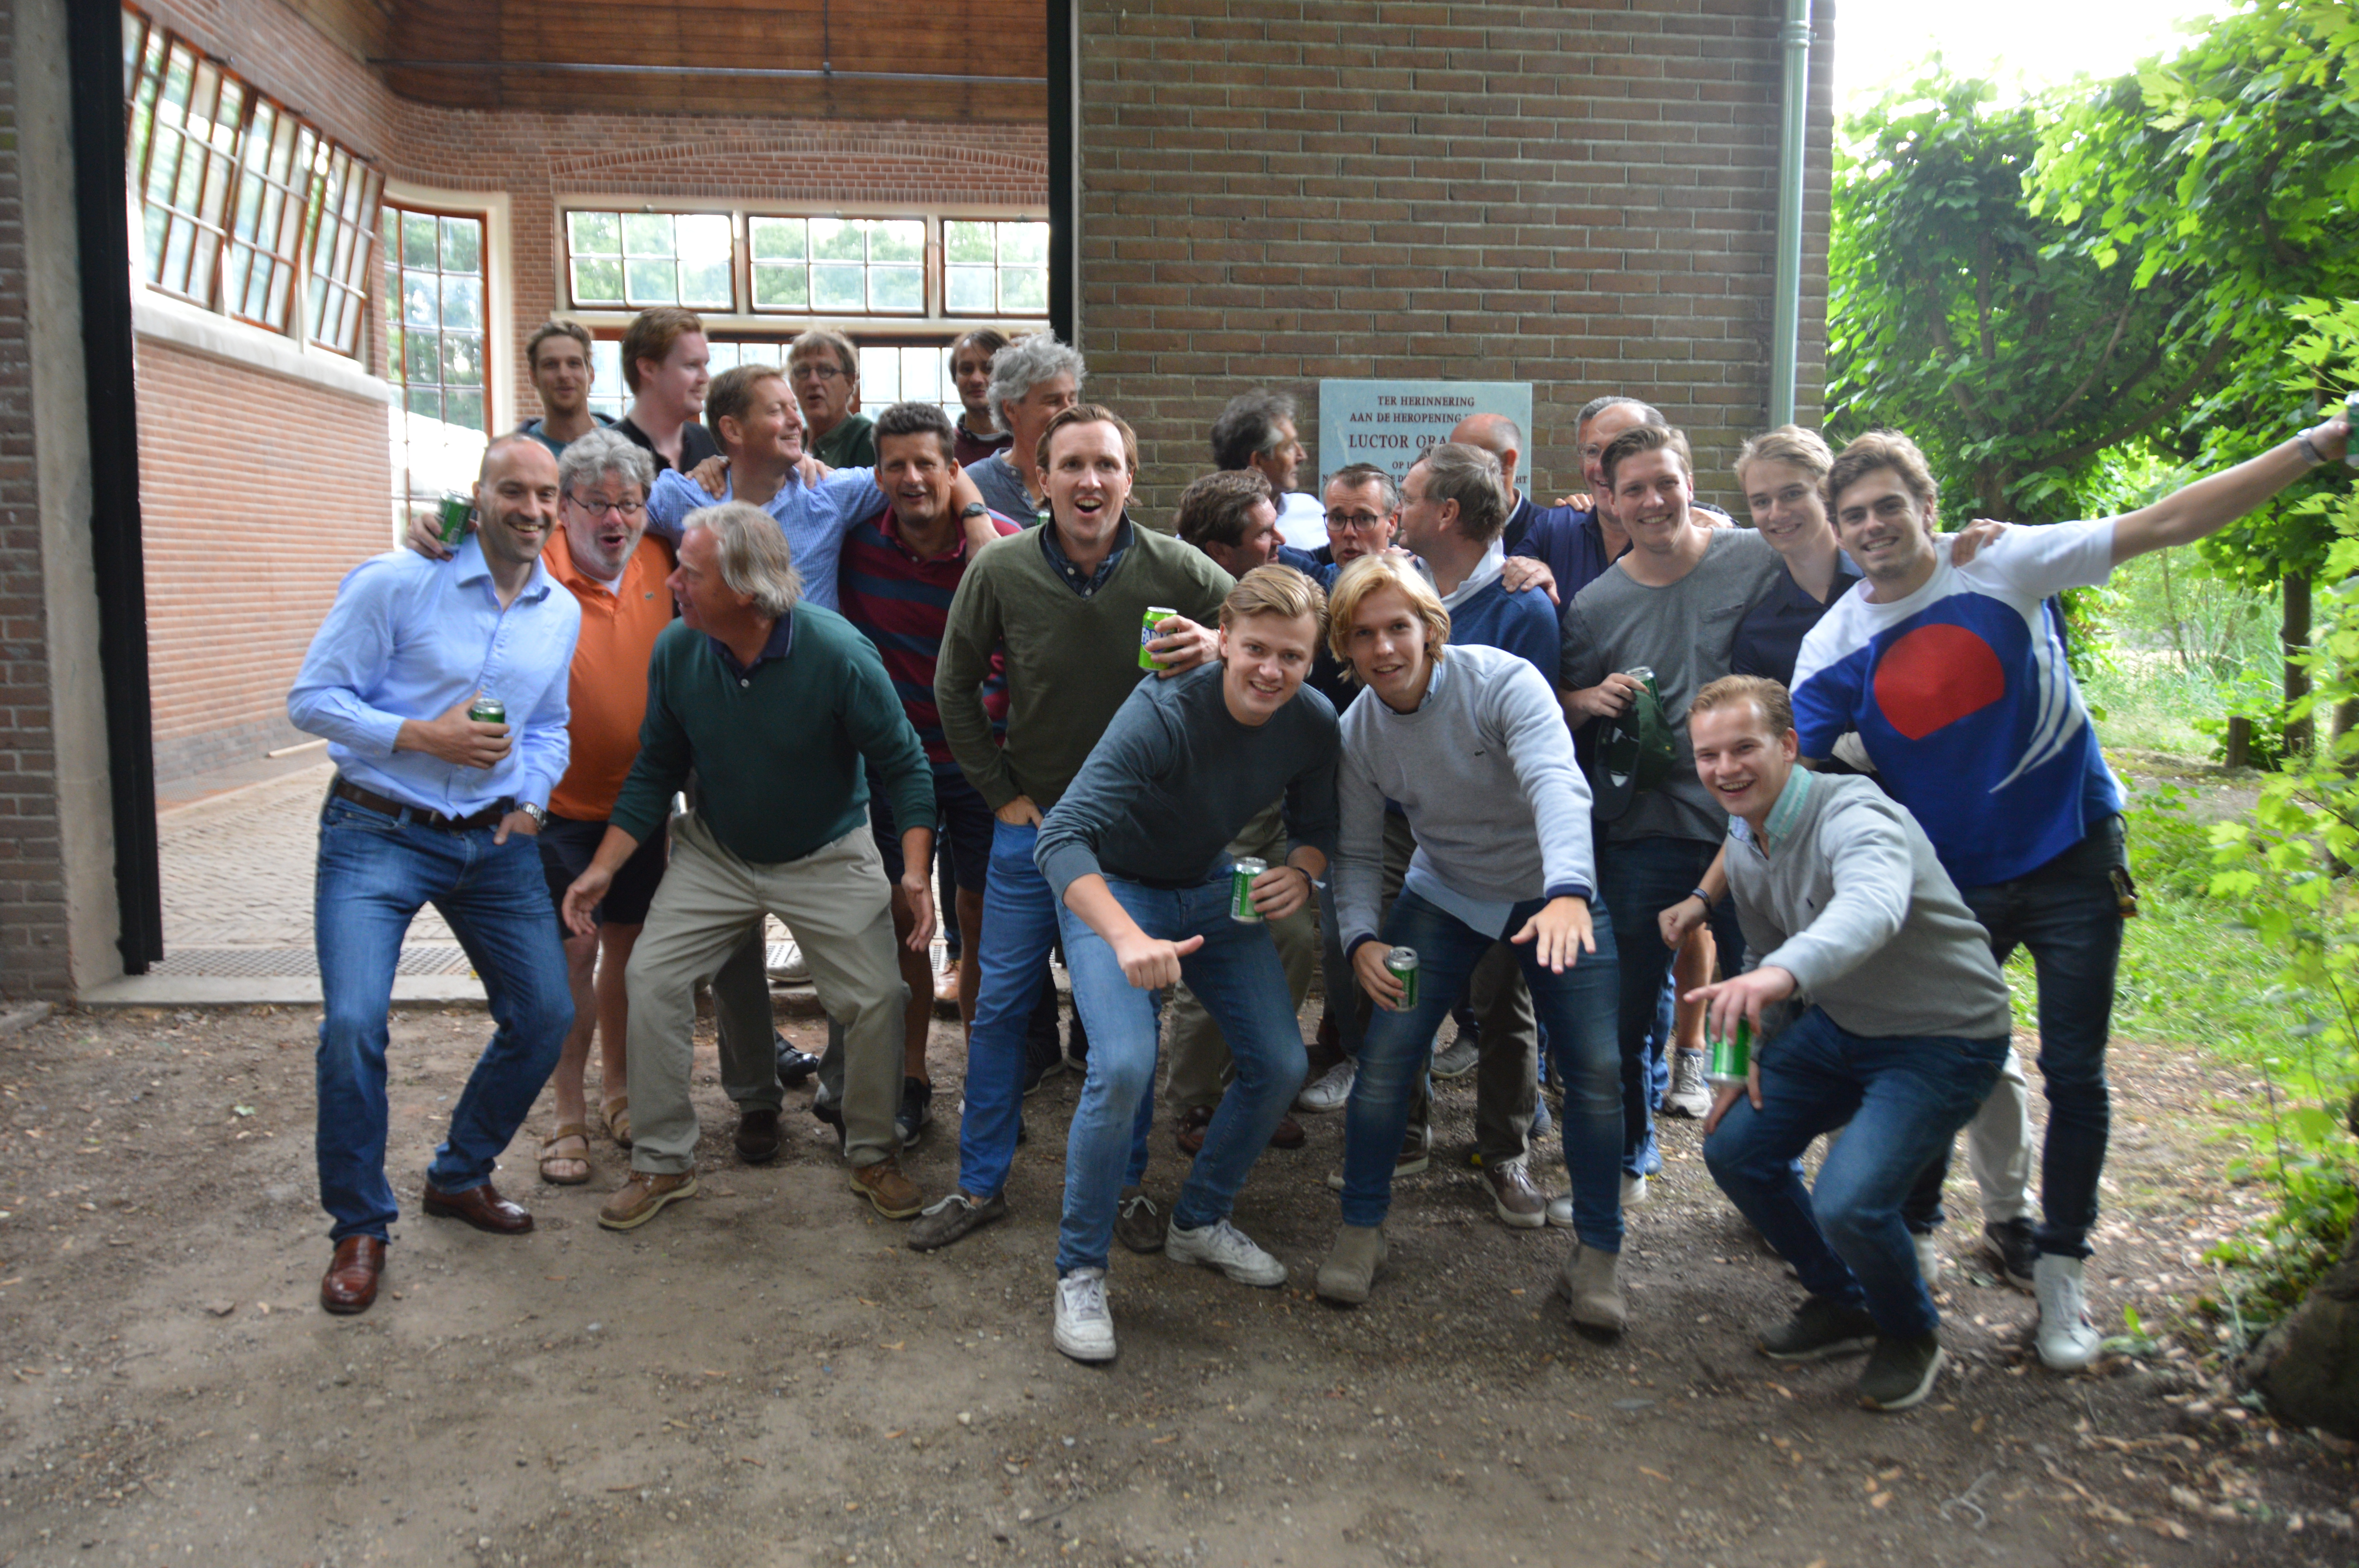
(1903, 1031)
(1470, 743)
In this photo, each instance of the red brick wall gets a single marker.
(1579, 195)
(258, 494)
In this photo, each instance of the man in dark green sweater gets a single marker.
(774, 703)
(1067, 604)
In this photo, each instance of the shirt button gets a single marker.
(744, 683)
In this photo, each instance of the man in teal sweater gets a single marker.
(1067, 603)
(774, 703)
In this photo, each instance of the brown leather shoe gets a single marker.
(758, 1135)
(642, 1197)
(480, 1206)
(1189, 1133)
(1289, 1134)
(1521, 1205)
(895, 1195)
(350, 1283)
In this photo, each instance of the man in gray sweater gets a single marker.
(1903, 1027)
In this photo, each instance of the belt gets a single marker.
(344, 789)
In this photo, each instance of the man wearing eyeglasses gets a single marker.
(600, 553)
(1363, 514)
(824, 369)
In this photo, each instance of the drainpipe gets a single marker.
(1786, 320)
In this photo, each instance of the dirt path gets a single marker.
(766, 1375)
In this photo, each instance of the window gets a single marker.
(244, 207)
(807, 265)
(888, 371)
(994, 269)
(633, 260)
(433, 268)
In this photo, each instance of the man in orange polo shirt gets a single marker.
(602, 555)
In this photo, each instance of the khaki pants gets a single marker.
(1200, 1068)
(837, 902)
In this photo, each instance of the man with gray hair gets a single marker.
(823, 367)
(600, 553)
(1256, 431)
(1033, 379)
(774, 704)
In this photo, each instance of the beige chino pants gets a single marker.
(838, 904)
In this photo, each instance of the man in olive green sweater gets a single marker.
(1067, 605)
(775, 704)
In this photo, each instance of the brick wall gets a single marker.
(32, 880)
(1579, 195)
(258, 493)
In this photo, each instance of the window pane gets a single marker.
(922, 374)
(597, 282)
(1025, 289)
(833, 239)
(463, 302)
(426, 401)
(421, 305)
(421, 361)
(781, 288)
(904, 242)
(778, 239)
(896, 288)
(464, 408)
(594, 234)
(462, 360)
(647, 234)
(1023, 244)
(967, 288)
(839, 288)
(880, 376)
(652, 282)
(968, 243)
(418, 239)
(462, 245)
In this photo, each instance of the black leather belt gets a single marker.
(344, 789)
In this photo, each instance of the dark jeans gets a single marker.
(2068, 913)
(1639, 879)
(1903, 1101)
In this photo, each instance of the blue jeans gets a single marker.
(373, 875)
(1020, 927)
(1638, 878)
(1903, 1101)
(1238, 976)
(2067, 913)
(1576, 1009)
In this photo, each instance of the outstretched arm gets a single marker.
(2213, 502)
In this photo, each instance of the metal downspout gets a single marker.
(1786, 319)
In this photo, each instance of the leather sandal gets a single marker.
(617, 1113)
(565, 1132)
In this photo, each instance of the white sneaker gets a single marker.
(1560, 1212)
(786, 965)
(1458, 1058)
(1634, 1190)
(1227, 1248)
(2067, 1340)
(1689, 1096)
(1084, 1326)
(1332, 1091)
(1928, 1258)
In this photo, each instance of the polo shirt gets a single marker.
(900, 600)
(535, 428)
(607, 683)
(851, 445)
(696, 443)
(1770, 636)
(969, 447)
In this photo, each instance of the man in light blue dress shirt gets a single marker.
(430, 807)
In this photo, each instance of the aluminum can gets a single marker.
(456, 510)
(1242, 873)
(1732, 1060)
(488, 711)
(1156, 614)
(1401, 964)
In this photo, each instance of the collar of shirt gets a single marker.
(889, 524)
(1519, 523)
(1071, 574)
(1782, 815)
(1494, 562)
(469, 566)
(782, 643)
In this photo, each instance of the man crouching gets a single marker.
(774, 704)
(1902, 1037)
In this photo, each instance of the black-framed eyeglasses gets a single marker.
(1354, 522)
(625, 510)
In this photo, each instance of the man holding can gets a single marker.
(1903, 1026)
(432, 804)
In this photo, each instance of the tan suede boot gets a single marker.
(1352, 1264)
(1591, 1286)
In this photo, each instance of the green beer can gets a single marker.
(1242, 873)
(456, 509)
(1732, 1060)
(1156, 614)
(488, 711)
(1400, 963)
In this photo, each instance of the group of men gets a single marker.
(754, 653)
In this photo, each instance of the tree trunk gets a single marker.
(2308, 1366)
(2293, 634)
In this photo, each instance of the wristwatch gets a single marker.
(539, 818)
(975, 509)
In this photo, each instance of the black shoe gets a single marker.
(1900, 1372)
(917, 1109)
(757, 1134)
(1819, 1329)
(2009, 1243)
(795, 1067)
